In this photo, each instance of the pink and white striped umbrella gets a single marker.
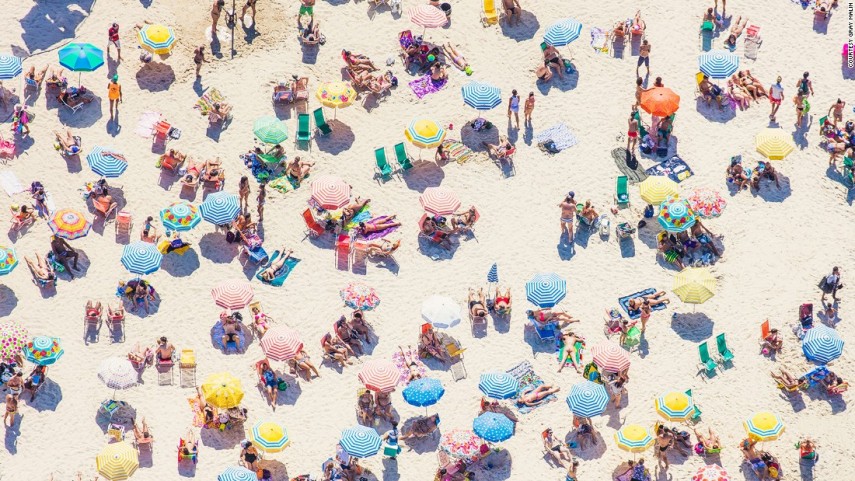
(330, 192)
(711, 472)
(439, 201)
(609, 356)
(281, 343)
(379, 375)
(233, 294)
(428, 16)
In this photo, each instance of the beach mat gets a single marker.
(11, 183)
(404, 369)
(198, 415)
(217, 337)
(674, 168)
(635, 314)
(146, 123)
(423, 86)
(457, 151)
(529, 380)
(559, 353)
(379, 234)
(628, 166)
(277, 281)
(560, 135)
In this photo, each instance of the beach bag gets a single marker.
(282, 385)
(648, 212)
(231, 237)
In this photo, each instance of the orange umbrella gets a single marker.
(660, 101)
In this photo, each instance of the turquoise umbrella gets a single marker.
(81, 57)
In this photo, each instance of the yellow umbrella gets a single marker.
(269, 436)
(633, 438)
(694, 285)
(222, 390)
(117, 461)
(336, 95)
(156, 39)
(675, 406)
(774, 144)
(764, 426)
(424, 133)
(657, 188)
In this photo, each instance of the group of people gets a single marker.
(839, 139)
(347, 338)
(16, 383)
(439, 229)
(693, 246)
(743, 178)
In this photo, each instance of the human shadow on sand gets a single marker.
(523, 29)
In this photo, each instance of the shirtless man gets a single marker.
(710, 91)
(663, 442)
(632, 132)
(512, 11)
(537, 395)
(643, 57)
(165, 349)
(231, 331)
(588, 212)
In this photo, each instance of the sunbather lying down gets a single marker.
(537, 395)
(358, 62)
(273, 269)
(382, 247)
(41, 269)
(421, 427)
(650, 300)
(67, 142)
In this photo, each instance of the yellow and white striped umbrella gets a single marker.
(657, 188)
(774, 144)
(694, 285)
(117, 461)
(633, 438)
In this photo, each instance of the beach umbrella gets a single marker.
(424, 133)
(675, 406)
(461, 444)
(237, 473)
(360, 441)
(441, 311)
(706, 202)
(718, 63)
(493, 427)
(330, 192)
(563, 32)
(141, 258)
(233, 294)
(481, 96)
(546, 290)
(8, 260)
(13, 337)
(822, 344)
(711, 472)
(222, 390)
(675, 215)
(281, 343)
(43, 350)
(379, 375)
(660, 101)
(587, 399)
(117, 373)
(499, 385)
(336, 95)
(270, 130)
(428, 16)
(10, 67)
(81, 57)
(439, 201)
(69, 224)
(493, 274)
(180, 216)
(359, 296)
(774, 144)
(423, 392)
(694, 285)
(764, 426)
(657, 188)
(633, 438)
(609, 356)
(269, 436)
(117, 461)
(106, 162)
(220, 208)
(157, 39)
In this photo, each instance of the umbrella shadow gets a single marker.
(8, 301)
(277, 469)
(340, 140)
(692, 326)
(435, 251)
(428, 174)
(524, 29)
(569, 82)
(48, 398)
(181, 265)
(217, 333)
(475, 140)
(216, 439)
(49, 23)
(496, 466)
(713, 113)
(88, 114)
(155, 77)
(214, 247)
(73, 164)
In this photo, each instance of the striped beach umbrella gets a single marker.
(43, 350)
(8, 260)
(424, 133)
(428, 16)
(69, 224)
(281, 343)
(711, 472)
(774, 144)
(117, 461)
(439, 201)
(423, 392)
(269, 436)
(718, 63)
(546, 290)
(675, 215)
(360, 441)
(157, 39)
(141, 258)
(657, 188)
(118, 373)
(764, 426)
(81, 57)
(675, 406)
(694, 285)
(822, 344)
(220, 208)
(493, 427)
(13, 337)
(587, 399)
(609, 356)
(379, 375)
(106, 162)
(270, 129)
(481, 96)
(441, 311)
(633, 438)
(222, 390)
(237, 473)
(10, 67)
(180, 216)
(563, 32)
(660, 101)
(493, 274)
(330, 192)
(233, 294)
(499, 385)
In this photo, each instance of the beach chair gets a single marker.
(621, 192)
(544, 333)
(765, 329)
(92, 325)
(342, 252)
(116, 326)
(707, 365)
(848, 172)
(110, 409)
(191, 448)
(73, 106)
(160, 132)
(455, 355)
(165, 369)
(142, 440)
(301, 90)
(489, 14)
(255, 254)
(320, 122)
(304, 132)
(124, 223)
(384, 168)
(633, 338)
(724, 352)
(313, 228)
(697, 411)
(611, 322)
(187, 368)
(116, 431)
(170, 163)
(402, 158)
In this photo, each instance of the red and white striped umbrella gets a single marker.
(233, 294)
(380, 376)
(281, 343)
(330, 192)
(439, 201)
(428, 16)
(609, 356)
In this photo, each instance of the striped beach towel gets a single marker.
(529, 380)
(457, 151)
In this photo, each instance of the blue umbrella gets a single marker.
(360, 441)
(234, 473)
(587, 399)
(423, 392)
(104, 164)
(499, 385)
(481, 96)
(10, 67)
(493, 427)
(822, 344)
(220, 208)
(718, 63)
(563, 32)
(141, 258)
(493, 275)
(546, 290)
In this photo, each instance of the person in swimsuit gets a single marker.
(589, 213)
(271, 384)
(663, 442)
(477, 307)
(528, 108)
(35, 380)
(250, 4)
(347, 336)
(651, 300)
(199, 58)
(421, 427)
(643, 57)
(552, 59)
(275, 267)
(249, 455)
(11, 409)
(804, 85)
(555, 448)
(537, 395)
(584, 431)
(409, 358)
(457, 58)
(514, 107)
(336, 350)
(351, 209)
(307, 7)
(776, 95)
(569, 339)
(365, 408)
(41, 269)
(63, 252)
(501, 150)
(513, 11)
(299, 169)
(800, 101)
(568, 215)
(571, 471)
(787, 380)
(231, 333)
(502, 302)
(366, 229)
(114, 93)
(243, 193)
(304, 362)
(16, 384)
(544, 316)
(632, 132)
(429, 344)
(164, 350)
(216, 9)
(836, 112)
(383, 403)
(735, 31)
(710, 442)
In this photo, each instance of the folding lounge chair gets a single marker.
(165, 368)
(848, 169)
(304, 132)
(633, 338)
(313, 228)
(301, 90)
(384, 169)
(187, 368)
(725, 354)
(401, 156)
(92, 321)
(255, 254)
(765, 329)
(160, 132)
(707, 365)
(621, 192)
(489, 14)
(342, 252)
(320, 122)
(455, 354)
(193, 456)
(697, 411)
(116, 325)
(544, 333)
(124, 222)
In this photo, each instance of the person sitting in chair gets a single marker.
(429, 344)
(464, 220)
(346, 335)
(67, 143)
(165, 350)
(365, 408)
(35, 380)
(382, 247)
(23, 216)
(501, 150)
(219, 112)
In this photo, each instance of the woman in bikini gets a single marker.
(366, 229)
(502, 302)
(304, 362)
(537, 395)
(456, 57)
(365, 408)
(544, 316)
(710, 442)
(260, 320)
(273, 270)
(347, 336)
(413, 366)
(249, 456)
(243, 193)
(430, 344)
(651, 300)
(773, 342)
(358, 62)
(463, 220)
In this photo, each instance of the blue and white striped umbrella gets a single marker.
(104, 164)
(822, 344)
(499, 385)
(481, 96)
(718, 63)
(236, 473)
(546, 290)
(493, 275)
(10, 67)
(563, 32)
(493, 427)
(423, 392)
(360, 441)
(220, 208)
(587, 399)
(141, 258)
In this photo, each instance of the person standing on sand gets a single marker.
(216, 10)
(198, 58)
(568, 214)
(632, 132)
(776, 95)
(837, 109)
(261, 198)
(723, 6)
(514, 107)
(804, 85)
(513, 11)
(250, 4)
(114, 94)
(113, 39)
(831, 284)
(529, 108)
(643, 57)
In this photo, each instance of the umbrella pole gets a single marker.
(335, 113)
(79, 74)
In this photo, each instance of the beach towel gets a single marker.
(362, 215)
(283, 184)
(457, 151)
(599, 40)
(282, 274)
(206, 102)
(11, 183)
(635, 314)
(752, 45)
(198, 415)
(404, 369)
(146, 123)
(379, 234)
(217, 333)
(628, 165)
(529, 380)
(424, 85)
(674, 168)
(559, 353)
(560, 135)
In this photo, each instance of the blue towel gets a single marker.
(217, 335)
(283, 273)
(635, 314)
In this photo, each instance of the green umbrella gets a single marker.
(270, 130)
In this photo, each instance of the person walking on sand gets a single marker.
(776, 95)
(216, 10)
(837, 109)
(250, 4)
(529, 108)
(514, 107)
(632, 132)
(804, 85)
(113, 39)
(643, 57)
(114, 93)
(831, 284)
(261, 198)
(198, 58)
(568, 214)
(802, 107)
(243, 193)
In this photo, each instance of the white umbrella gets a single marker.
(118, 373)
(441, 311)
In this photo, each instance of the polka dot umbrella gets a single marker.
(13, 337)
(493, 427)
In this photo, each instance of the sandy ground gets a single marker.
(777, 243)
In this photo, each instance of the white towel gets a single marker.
(11, 183)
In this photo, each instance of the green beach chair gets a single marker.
(384, 169)
(725, 354)
(320, 121)
(848, 169)
(697, 412)
(401, 156)
(304, 132)
(621, 193)
(707, 364)
(633, 338)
